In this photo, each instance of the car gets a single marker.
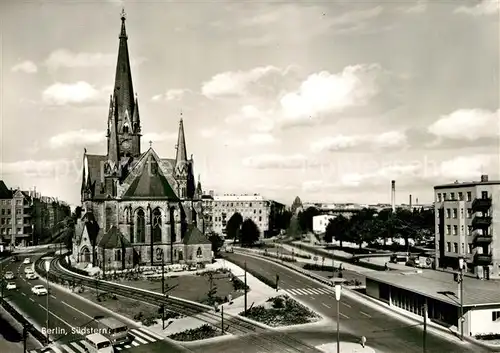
(9, 275)
(27, 261)
(31, 275)
(11, 286)
(39, 290)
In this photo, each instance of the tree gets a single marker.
(329, 231)
(217, 242)
(294, 230)
(306, 218)
(361, 226)
(233, 226)
(250, 233)
(283, 219)
(337, 229)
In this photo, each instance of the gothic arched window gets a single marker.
(125, 129)
(109, 217)
(156, 225)
(199, 253)
(141, 226)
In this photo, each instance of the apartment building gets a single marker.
(262, 211)
(468, 226)
(26, 216)
(208, 210)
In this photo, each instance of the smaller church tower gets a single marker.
(182, 164)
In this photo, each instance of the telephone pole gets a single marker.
(246, 291)
(162, 271)
(424, 337)
(222, 318)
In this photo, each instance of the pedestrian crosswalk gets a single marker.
(309, 291)
(140, 336)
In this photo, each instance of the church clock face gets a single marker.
(126, 145)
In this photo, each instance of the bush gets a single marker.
(278, 302)
(488, 336)
(200, 333)
(316, 267)
(238, 284)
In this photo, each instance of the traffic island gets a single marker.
(345, 347)
(197, 334)
(282, 311)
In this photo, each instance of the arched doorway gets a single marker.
(85, 254)
(156, 226)
(141, 226)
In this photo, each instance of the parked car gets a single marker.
(27, 261)
(9, 275)
(11, 286)
(39, 290)
(31, 275)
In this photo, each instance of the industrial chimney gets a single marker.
(393, 195)
(410, 203)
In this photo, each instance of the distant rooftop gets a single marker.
(483, 181)
(242, 197)
(441, 286)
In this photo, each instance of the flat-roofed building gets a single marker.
(465, 226)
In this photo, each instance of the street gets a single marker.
(383, 332)
(69, 315)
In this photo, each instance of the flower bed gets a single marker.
(282, 311)
(201, 333)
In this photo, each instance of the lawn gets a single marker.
(282, 311)
(191, 287)
(131, 308)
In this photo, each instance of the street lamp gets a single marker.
(47, 268)
(461, 265)
(338, 290)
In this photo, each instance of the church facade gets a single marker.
(138, 208)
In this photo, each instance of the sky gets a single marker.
(329, 101)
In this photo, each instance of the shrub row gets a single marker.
(200, 333)
(316, 267)
(284, 258)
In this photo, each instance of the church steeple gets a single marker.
(181, 155)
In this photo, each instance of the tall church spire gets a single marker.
(124, 90)
(181, 156)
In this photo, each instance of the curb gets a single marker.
(448, 334)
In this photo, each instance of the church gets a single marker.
(138, 209)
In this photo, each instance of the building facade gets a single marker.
(208, 211)
(466, 226)
(27, 218)
(139, 209)
(262, 211)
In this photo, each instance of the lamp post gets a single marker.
(338, 290)
(47, 268)
(461, 264)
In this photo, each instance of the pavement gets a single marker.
(384, 332)
(70, 317)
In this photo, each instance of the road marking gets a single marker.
(343, 315)
(298, 281)
(143, 335)
(365, 314)
(23, 293)
(312, 298)
(118, 348)
(137, 338)
(135, 344)
(346, 304)
(56, 349)
(75, 309)
(57, 317)
(53, 296)
(127, 346)
(329, 307)
(77, 347)
(67, 348)
(142, 330)
(33, 300)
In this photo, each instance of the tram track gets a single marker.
(252, 333)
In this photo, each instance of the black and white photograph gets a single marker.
(228, 176)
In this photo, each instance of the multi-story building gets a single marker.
(468, 226)
(262, 211)
(26, 217)
(208, 209)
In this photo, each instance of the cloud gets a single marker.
(276, 161)
(324, 92)
(238, 83)
(63, 58)
(261, 139)
(468, 125)
(80, 137)
(485, 7)
(389, 139)
(418, 7)
(81, 92)
(171, 95)
(252, 117)
(26, 66)
(58, 169)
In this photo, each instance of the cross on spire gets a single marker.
(150, 144)
(123, 15)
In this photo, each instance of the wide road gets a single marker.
(384, 333)
(69, 316)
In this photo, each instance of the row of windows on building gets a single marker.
(9, 202)
(7, 231)
(223, 219)
(18, 221)
(6, 211)
(460, 196)
(234, 210)
(242, 204)
(464, 249)
(453, 230)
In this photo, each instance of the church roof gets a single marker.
(112, 239)
(194, 236)
(149, 181)
(5, 193)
